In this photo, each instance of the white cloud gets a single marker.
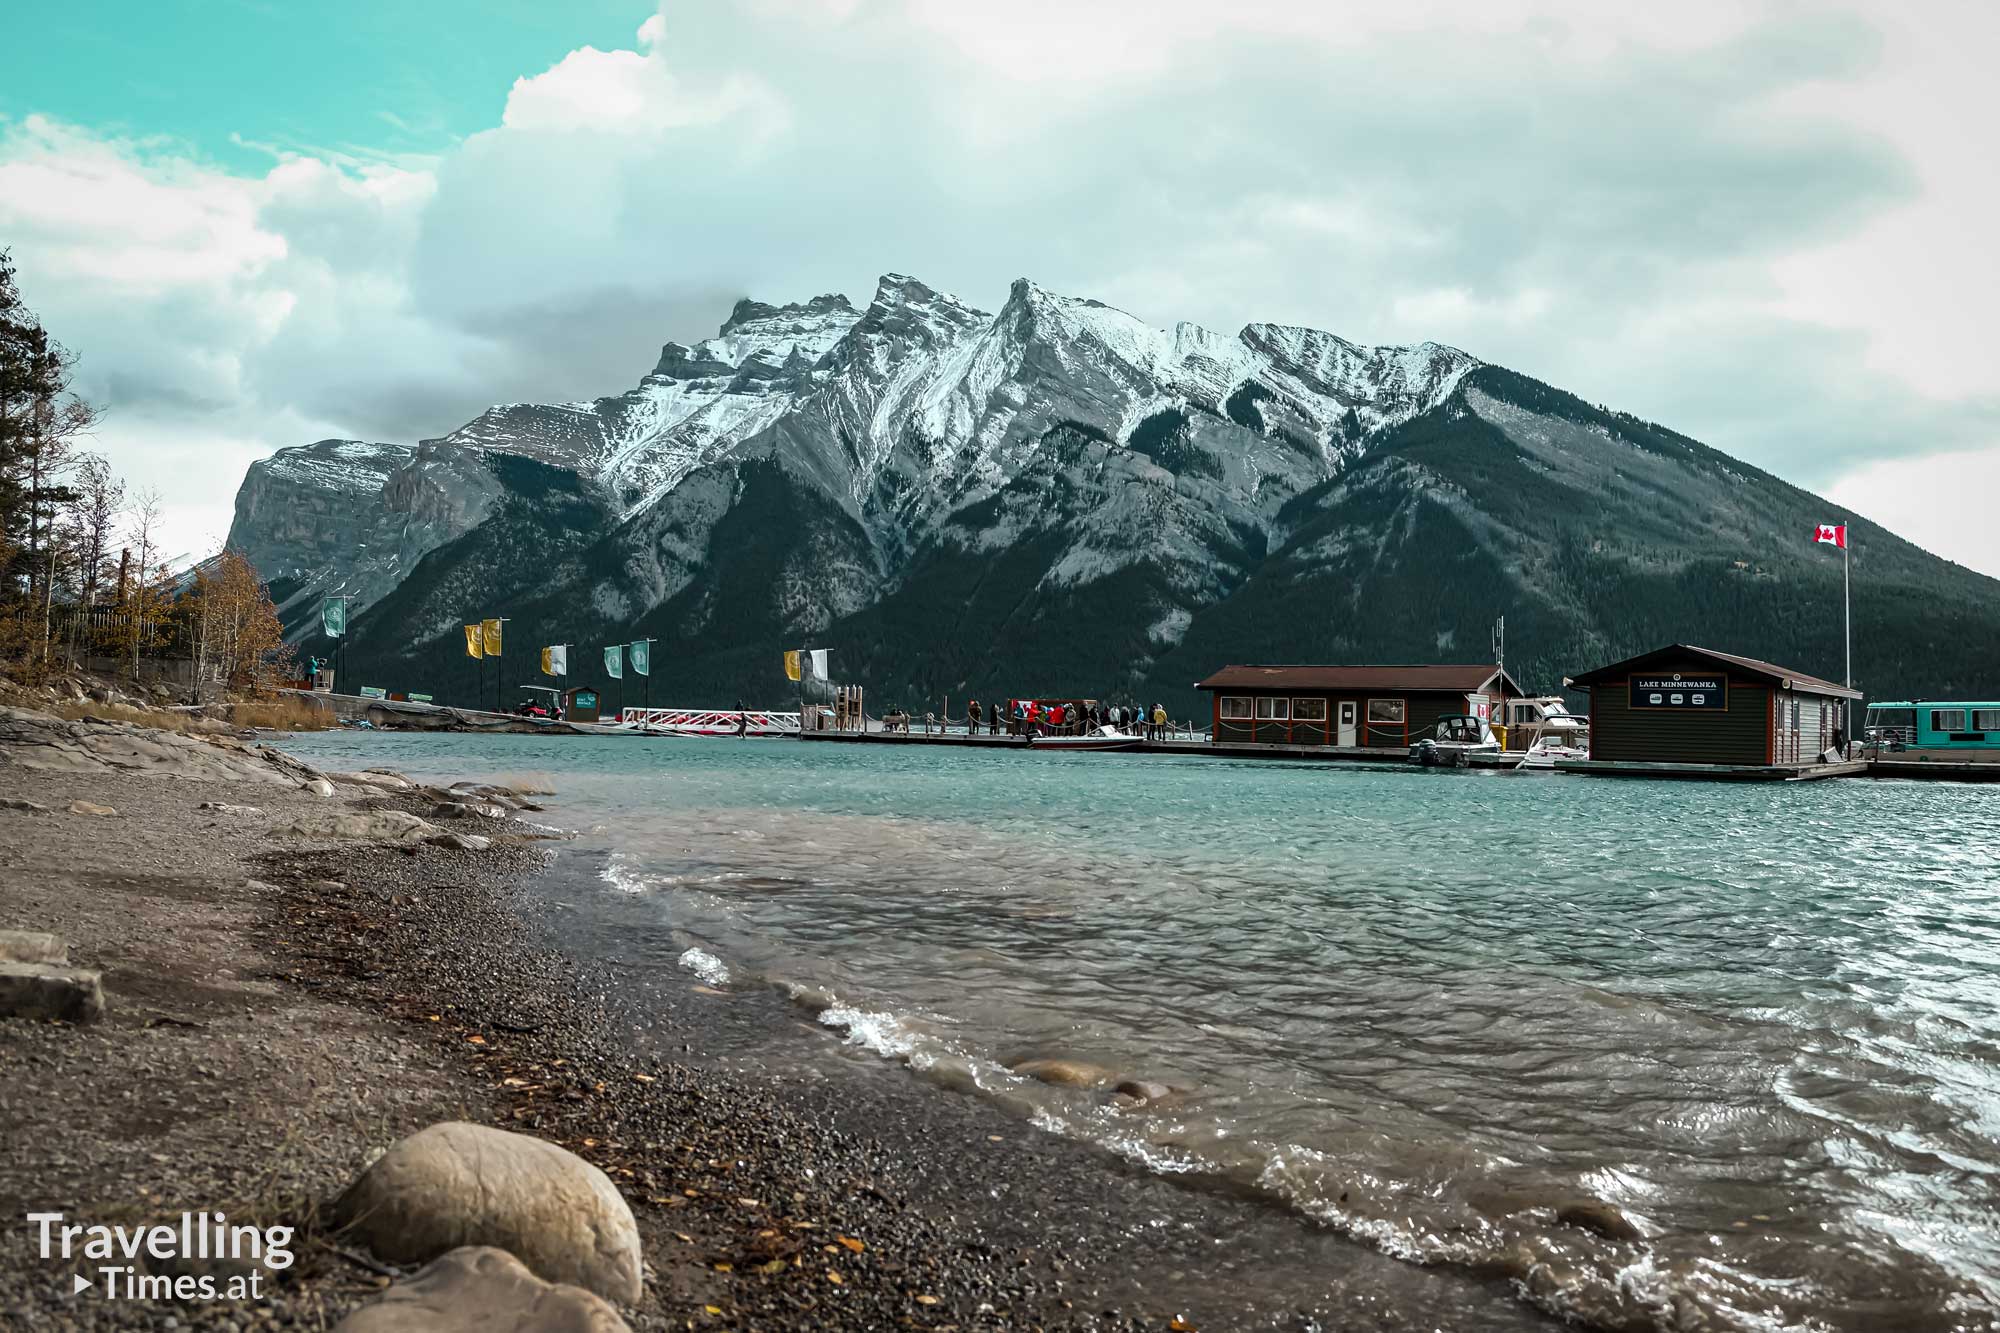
(1752, 223)
(1943, 502)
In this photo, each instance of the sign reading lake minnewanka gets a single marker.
(1679, 691)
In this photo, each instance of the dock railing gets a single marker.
(933, 727)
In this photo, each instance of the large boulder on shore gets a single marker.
(1065, 1073)
(32, 946)
(479, 1289)
(50, 991)
(458, 1184)
(360, 825)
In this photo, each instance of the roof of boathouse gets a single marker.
(1454, 679)
(1771, 673)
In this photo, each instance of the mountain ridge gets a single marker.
(1101, 505)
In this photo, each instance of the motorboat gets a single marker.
(1554, 747)
(1455, 742)
(1526, 720)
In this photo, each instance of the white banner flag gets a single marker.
(818, 668)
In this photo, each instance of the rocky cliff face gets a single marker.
(346, 516)
(1059, 496)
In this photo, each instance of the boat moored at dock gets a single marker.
(1955, 731)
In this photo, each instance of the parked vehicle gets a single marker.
(542, 704)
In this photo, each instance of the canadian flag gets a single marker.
(1831, 534)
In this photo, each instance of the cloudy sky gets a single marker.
(1769, 226)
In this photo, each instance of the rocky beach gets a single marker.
(325, 996)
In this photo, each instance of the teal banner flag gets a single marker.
(333, 616)
(614, 661)
(642, 657)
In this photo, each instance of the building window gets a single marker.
(1235, 708)
(1386, 710)
(1947, 719)
(1314, 710)
(1986, 719)
(1273, 710)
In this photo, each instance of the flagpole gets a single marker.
(1847, 627)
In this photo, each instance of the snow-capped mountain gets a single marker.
(904, 411)
(930, 486)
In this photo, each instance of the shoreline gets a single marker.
(295, 1025)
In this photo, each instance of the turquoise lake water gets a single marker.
(1426, 1008)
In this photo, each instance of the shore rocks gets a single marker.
(32, 946)
(92, 808)
(371, 778)
(45, 743)
(318, 786)
(466, 810)
(1142, 1092)
(1067, 1073)
(1595, 1215)
(458, 1184)
(391, 826)
(45, 991)
(461, 842)
(479, 1289)
(25, 807)
(224, 808)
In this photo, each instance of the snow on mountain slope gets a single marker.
(923, 392)
(696, 403)
(908, 412)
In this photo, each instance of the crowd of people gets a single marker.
(1065, 717)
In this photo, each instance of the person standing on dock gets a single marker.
(972, 718)
(993, 719)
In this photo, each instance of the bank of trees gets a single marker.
(82, 569)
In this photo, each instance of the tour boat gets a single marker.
(1104, 738)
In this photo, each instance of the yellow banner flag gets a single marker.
(490, 630)
(472, 641)
(548, 668)
(792, 664)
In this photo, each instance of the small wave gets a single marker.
(621, 874)
(874, 1030)
(706, 966)
(1563, 1271)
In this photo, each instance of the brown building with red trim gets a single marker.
(1380, 707)
(1686, 705)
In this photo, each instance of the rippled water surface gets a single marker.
(1429, 1009)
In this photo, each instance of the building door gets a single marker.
(1346, 736)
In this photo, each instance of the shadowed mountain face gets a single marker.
(1059, 498)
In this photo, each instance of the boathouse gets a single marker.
(1374, 707)
(1687, 705)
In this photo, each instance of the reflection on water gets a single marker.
(1438, 1011)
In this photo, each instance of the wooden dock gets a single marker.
(1607, 768)
(1936, 770)
(1932, 769)
(1323, 754)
